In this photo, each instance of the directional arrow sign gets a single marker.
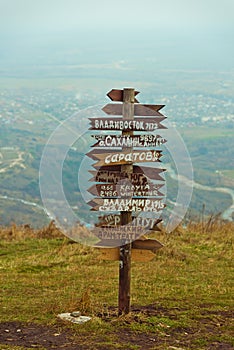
(115, 220)
(149, 244)
(140, 174)
(139, 255)
(116, 176)
(136, 124)
(150, 172)
(139, 109)
(117, 95)
(126, 189)
(147, 140)
(117, 234)
(124, 157)
(111, 238)
(133, 204)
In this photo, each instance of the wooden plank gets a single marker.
(145, 140)
(137, 124)
(126, 189)
(148, 244)
(139, 109)
(125, 250)
(117, 234)
(150, 172)
(141, 255)
(112, 220)
(115, 177)
(112, 174)
(115, 238)
(112, 243)
(123, 157)
(154, 107)
(128, 229)
(138, 255)
(117, 95)
(130, 205)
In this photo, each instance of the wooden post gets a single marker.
(126, 217)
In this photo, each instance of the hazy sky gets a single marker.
(61, 15)
(190, 31)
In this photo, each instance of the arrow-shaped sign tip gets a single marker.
(117, 95)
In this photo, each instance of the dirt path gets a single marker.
(62, 337)
(16, 161)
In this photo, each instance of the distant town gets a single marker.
(27, 106)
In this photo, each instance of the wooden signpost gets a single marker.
(121, 186)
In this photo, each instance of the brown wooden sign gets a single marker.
(124, 157)
(126, 189)
(108, 239)
(138, 255)
(112, 239)
(126, 233)
(148, 244)
(150, 172)
(136, 124)
(115, 176)
(130, 205)
(115, 220)
(117, 95)
(145, 140)
(139, 109)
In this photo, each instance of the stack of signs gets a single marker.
(135, 191)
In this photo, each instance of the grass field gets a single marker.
(183, 299)
(206, 133)
(228, 173)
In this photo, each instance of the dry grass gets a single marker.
(189, 283)
(15, 232)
